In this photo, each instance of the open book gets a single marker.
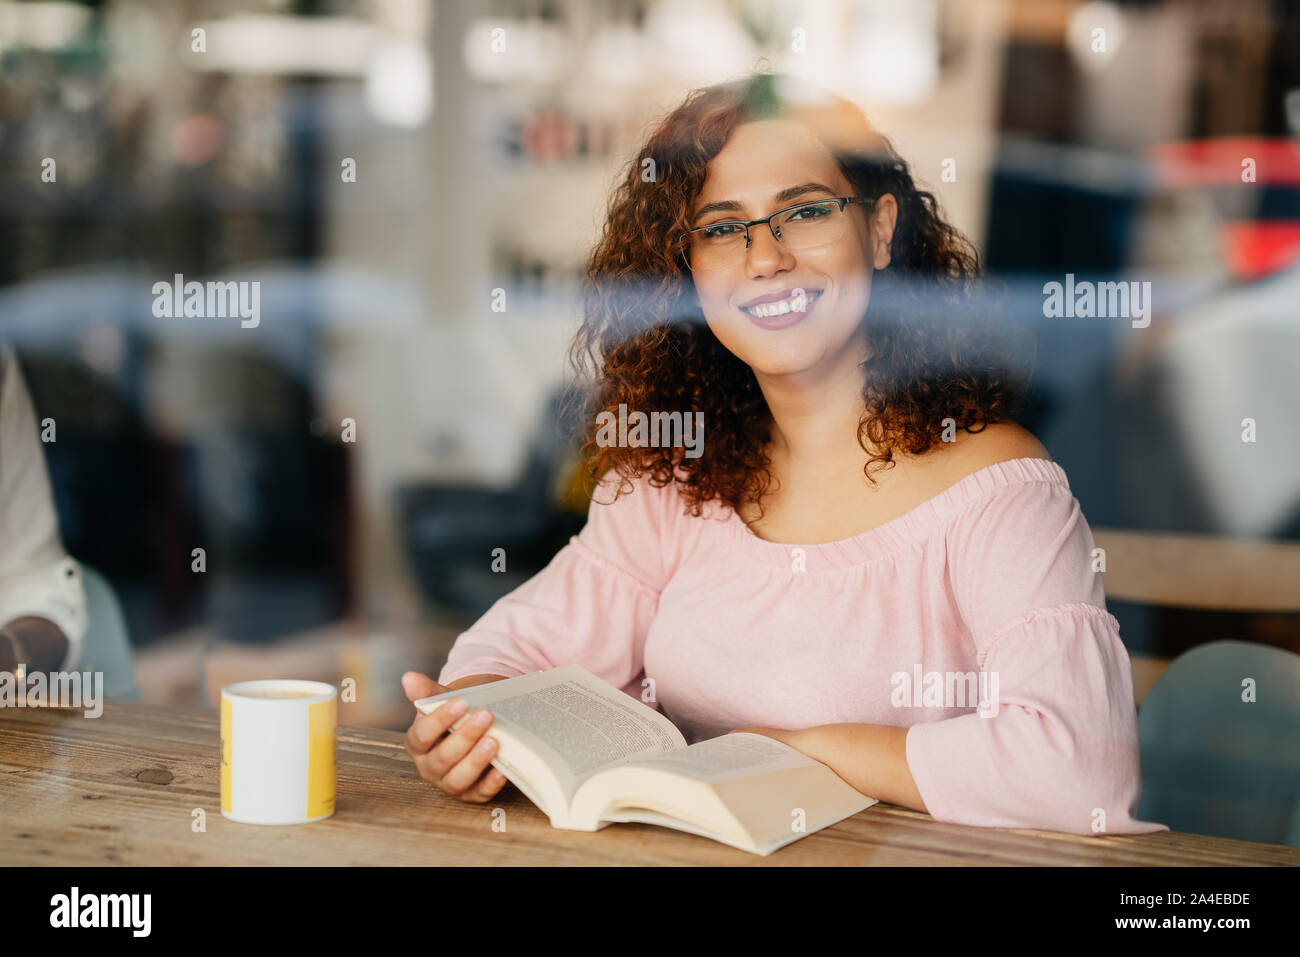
(589, 755)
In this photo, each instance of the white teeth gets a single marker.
(780, 307)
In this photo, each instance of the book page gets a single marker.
(729, 757)
(645, 815)
(576, 723)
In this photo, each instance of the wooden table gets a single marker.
(123, 788)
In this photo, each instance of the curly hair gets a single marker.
(934, 363)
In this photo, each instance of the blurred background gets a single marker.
(382, 167)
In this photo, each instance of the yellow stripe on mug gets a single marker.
(278, 751)
(227, 707)
(322, 725)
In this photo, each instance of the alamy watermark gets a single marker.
(1086, 299)
(211, 300)
(946, 689)
(640, 430)
(58, 689)
(75, 909)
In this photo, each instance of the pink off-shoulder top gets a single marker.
(985, 592)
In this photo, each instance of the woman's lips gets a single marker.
(784, 319)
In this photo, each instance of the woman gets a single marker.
(862, 513)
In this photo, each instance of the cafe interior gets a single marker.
(348, 466)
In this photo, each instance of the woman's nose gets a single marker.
(765, 252)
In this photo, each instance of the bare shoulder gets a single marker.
(977, 450)
(1001, 442)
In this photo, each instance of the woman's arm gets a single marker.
(592, 605)
(870, 757)
(1060, 749)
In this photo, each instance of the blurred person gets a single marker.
(42, 604)
(864, 510)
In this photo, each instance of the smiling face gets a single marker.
(756, 172)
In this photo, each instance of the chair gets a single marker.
(451, 530)
(1213, 763)
(1196, 571)
(107, 645)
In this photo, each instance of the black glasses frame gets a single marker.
(776, 232)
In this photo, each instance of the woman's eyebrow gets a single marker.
(791, 192)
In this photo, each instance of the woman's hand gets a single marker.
(455, 761)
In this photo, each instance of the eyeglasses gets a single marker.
(805, 226)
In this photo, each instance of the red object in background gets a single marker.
(197, 139)
(1218, 162)
(1254, 248)
(548, 136)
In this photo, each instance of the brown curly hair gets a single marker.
(933, 352)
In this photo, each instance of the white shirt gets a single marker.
(37, 577)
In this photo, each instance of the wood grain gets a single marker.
(1200, 571)
(122, 789)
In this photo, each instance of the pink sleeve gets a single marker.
(1061, 751)
(592, 605)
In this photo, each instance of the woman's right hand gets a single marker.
(455, 761)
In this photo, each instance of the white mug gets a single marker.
(278, 751)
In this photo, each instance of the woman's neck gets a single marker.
(815, 422)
